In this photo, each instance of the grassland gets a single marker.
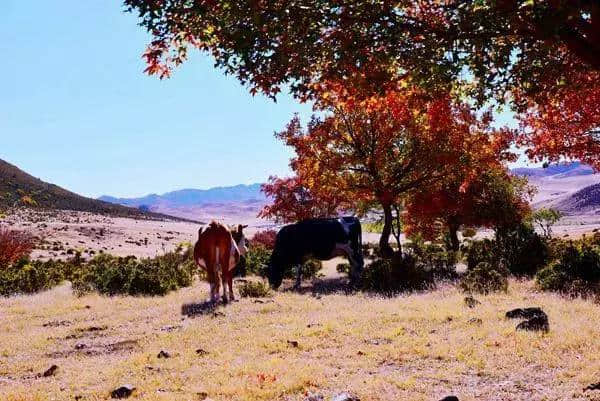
(414, 347)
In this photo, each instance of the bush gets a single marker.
(395, 275)
(370, 250)
(112, 275)
(433, 258)
(254, 290)
(485, 278)
(257, 260)
(264, 238)
(14, 245)
(576, 272)
(27, 277)
(521, 250)
(484, 251)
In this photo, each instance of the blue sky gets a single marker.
(76, 109)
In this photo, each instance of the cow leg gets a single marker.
(298, 276)
(225, 264)
(224, 280)
(230, 285)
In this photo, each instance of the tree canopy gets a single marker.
(536, 56)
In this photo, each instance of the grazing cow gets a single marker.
(321, 239)
(218, 253)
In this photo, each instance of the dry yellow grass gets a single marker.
(417, 347)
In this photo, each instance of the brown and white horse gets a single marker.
(218, 253)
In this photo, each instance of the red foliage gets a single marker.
(565, 123)
(14, 245)
(265, 238)
(492, 199)
(293, 201)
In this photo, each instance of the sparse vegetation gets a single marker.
(576, 272)
(546, 218)
(394, 275)
(106, 274)
(254, 289)
(485, 278)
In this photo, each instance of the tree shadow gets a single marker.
(325, 286)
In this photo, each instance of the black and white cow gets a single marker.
(321, 239)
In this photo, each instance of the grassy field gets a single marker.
(416, 347)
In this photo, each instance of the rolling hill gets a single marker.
(17, 188)
(572, 188)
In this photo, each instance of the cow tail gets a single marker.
(218, 267)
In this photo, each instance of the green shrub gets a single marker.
(112, 275)
(485, 278)
(343, 268)
(254, 290)
(576, 272)
(524, 251)
(27, 277)
(483, 251)
(521, 250)
(370, 250)
(395, 275)
(257, 260)
(434, 258)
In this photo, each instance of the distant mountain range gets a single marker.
(17, 188)
(239, 203)
(561, 170)
(194, 197)
(573, 188)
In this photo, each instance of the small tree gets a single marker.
(545, 218)
(14, 245)
(292, 201)
(372, 151)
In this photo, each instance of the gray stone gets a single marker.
(345, 397)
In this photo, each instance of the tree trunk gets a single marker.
(384, 241)
(453, 231)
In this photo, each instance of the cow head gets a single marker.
(240, 239)
(275, 271)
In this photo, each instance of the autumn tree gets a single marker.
(371, 151)
(492, 199)
(291, 201)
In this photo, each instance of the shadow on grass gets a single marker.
(326, 286)
(199, 309)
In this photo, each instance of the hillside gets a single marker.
(563, 186)
(584, 200)
(17, 188)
